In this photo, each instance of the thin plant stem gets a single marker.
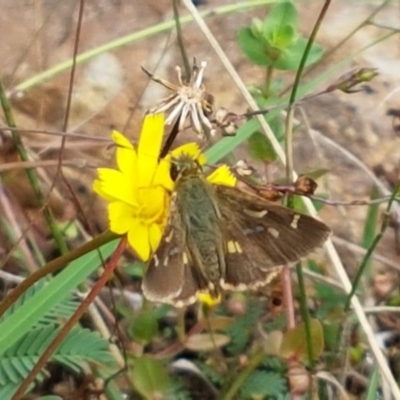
(31, 173)
(290, 166)
(307, 50)
(268, 79)
(288, 297)
(337, 46)
(292, 99)
(180, 326)
(253, 363)
(181, 44)
(131, 38)
(306, 315)
(371, 248)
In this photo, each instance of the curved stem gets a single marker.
(54, 266)
(254, 362)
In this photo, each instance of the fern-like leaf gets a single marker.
(80, 345)
(242, 329)
(261, 384)
(61, 311)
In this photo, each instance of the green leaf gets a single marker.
(241, 330)
(55, 291)
(264, 43)
(261, 384)
(256, 28)
(150, 378)
(289, 58)
(135, 270)
(287, 35)
(260, 148)
(211, 373)
(206, 341)
(372, 391)
(80, 345)
(294, 343)
(281, 20)
(370, 226)
(144, 326)
(316, 173)
(255, 49)
(224, 146)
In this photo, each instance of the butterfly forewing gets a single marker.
(261, 236)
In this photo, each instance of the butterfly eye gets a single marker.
(174, 171)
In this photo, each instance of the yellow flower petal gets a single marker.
(97, 188)
(121, 217)
(138, 238)
(155, 235)
(208, 300)
(222, 176)
(115, 185)
(191, 149)
(153, 203)
(162, 176)
(149, 148)
(126, 155)
(121, 140)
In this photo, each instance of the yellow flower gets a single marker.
(138, 192)
(207, 300)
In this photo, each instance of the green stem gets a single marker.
(307, 50)
(289, 118)
(371, 248)
(305, 315)
(254, 362)
(125, 40)
(181, 44)
(268, 79)
(342, 42)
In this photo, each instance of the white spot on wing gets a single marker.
(231, 247)
(273, 232)
(238, 248)
(169, 237)
(295, 221)
(255, 214)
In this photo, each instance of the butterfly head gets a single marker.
(184, 166)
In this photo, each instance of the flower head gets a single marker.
(188, 100)
(139, 190)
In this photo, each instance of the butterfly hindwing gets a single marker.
(164, 277)
(171, 276)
